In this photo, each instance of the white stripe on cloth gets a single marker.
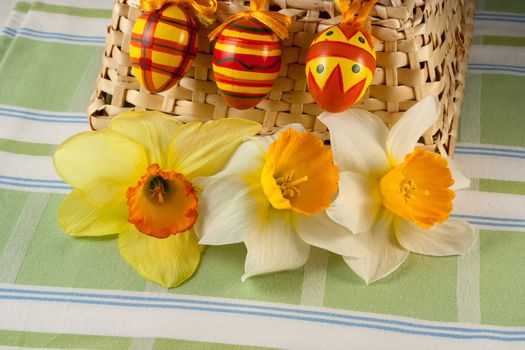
(491, 164)
(61, 28)
(497, 59)
(490, 210)
(468, 301)
(37, 129)
(499, 24)
(30, 174)
(133, 314)
(314, 278)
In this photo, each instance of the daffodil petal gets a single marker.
(385, 254)
(403, 136)
(204, 149)
(80, 216)
(358, 141)
(276, 247)
(461, 182)
(454, 237)
(92, 159)
(230, 211)
(152, 129)
(266, 141)
(247, 161)
(320, 231)
(167, 261)
(358, 202)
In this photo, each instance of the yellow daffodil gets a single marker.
(135, 179)
(272, 196)
(401, 195)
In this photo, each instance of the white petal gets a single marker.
(384, 252)
(276, 247)
(461, 182)
(320, 231)
(403, 136)
(358, 141)
(266, 141)
(247, 161)
(454, 237)
(358, 202)
(229, 211)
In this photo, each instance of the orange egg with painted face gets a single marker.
(340, 66)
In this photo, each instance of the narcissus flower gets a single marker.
(399, 194)
(135, 179)
(272, 196)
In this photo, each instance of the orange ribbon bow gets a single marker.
(351, 8)
(277, 22)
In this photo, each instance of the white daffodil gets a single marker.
(401, 195)
(272, 196)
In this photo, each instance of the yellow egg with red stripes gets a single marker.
(163, 47)
(340, 66)
(246, 62)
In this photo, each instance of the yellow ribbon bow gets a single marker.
(351, 8)
(277, 22)
(202, 8)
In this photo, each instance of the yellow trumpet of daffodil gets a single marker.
(398, 194)
(135, 178)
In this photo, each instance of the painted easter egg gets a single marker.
(163, 47)
(340, 66)
(246, 62)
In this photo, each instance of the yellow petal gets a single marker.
(90, 160)
(152, 129)
(418, 189)
(204, 149)
(167, 261)
(79, 215)
(299, 173)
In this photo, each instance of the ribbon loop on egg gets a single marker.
(354, 12)
(277, 22)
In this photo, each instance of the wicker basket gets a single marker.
(422, 47)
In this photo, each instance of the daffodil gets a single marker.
(400, 194)
(134, 179)
(272, 196)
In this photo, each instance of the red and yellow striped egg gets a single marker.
(163, 47)
(246, 62)
(340, 66)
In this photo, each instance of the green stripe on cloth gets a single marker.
(34, 149)
(500, 186)
(65, 10)
(52, 83)
(168, 344)
(75, 262)
(503, 40)
(502, 284)
(5, 42)
(502, 106)
(422, 287)
(224, 265)
(22, 6)
(61, 341)
(516, 6)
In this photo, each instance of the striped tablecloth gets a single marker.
(61, 292)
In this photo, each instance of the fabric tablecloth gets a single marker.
(62, 292)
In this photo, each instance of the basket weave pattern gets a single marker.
(422, 48)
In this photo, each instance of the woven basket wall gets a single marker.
(422, 48)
